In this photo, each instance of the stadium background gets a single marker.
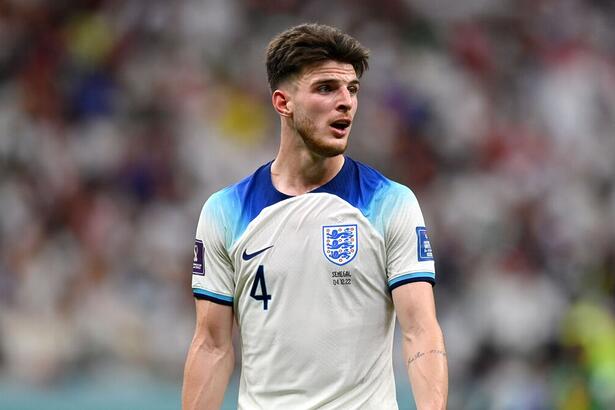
(119, 118)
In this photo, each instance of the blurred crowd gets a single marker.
(119, 118)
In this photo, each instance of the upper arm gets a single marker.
(408, 250)
(212, 276)
(213, 270)
(214, 323)
(415, 308)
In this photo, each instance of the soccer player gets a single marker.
(314, 255)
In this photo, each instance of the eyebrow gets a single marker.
(334, 80)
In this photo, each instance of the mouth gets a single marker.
(341, 125)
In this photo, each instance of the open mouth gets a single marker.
(341, 124)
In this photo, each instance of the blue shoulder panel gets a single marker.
(358, 184)
(367, 190)
(240, 203)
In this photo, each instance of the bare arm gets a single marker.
(423, 345)
(210, 359)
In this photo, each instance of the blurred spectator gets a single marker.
(118, 119)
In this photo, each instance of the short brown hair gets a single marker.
(301, 46)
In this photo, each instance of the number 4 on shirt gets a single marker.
(259, 280)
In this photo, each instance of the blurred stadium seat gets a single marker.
(119, 118)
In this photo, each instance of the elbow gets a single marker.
(212, 340)
(413, 333)
(422, 330)
(212, 345)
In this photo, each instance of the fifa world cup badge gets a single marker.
(197, 262)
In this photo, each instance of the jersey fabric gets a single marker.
(309, 279)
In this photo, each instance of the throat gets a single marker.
(300, 177)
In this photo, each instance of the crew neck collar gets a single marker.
(331, 186)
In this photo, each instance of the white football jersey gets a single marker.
(309, 279)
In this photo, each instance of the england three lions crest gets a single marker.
(340, 243)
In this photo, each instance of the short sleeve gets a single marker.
(409, 253)
(212, 269)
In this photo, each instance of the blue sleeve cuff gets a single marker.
(212, 296)
(411, 278)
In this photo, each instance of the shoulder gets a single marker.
(368, 176)
(232, 198)
(379, 191)
(380, 199)
(233, 208)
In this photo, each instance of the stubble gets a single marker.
(306, 129)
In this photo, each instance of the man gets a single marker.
(313, 255)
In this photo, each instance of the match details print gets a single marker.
(341, 278)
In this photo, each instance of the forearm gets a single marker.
(206, 375)
(425, 358)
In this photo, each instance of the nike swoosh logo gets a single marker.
(247, 256)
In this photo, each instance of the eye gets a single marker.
(324, 88)
(353, 89)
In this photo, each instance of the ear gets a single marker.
(282, 103)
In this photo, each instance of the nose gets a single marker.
(344, 103)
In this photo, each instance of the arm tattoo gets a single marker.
(418, 355)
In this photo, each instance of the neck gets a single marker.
(296, 170)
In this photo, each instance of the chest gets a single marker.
(312, 250)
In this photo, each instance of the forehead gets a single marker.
(328, 70)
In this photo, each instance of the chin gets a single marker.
(323, 145)
(328, 150)
(333, 152)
